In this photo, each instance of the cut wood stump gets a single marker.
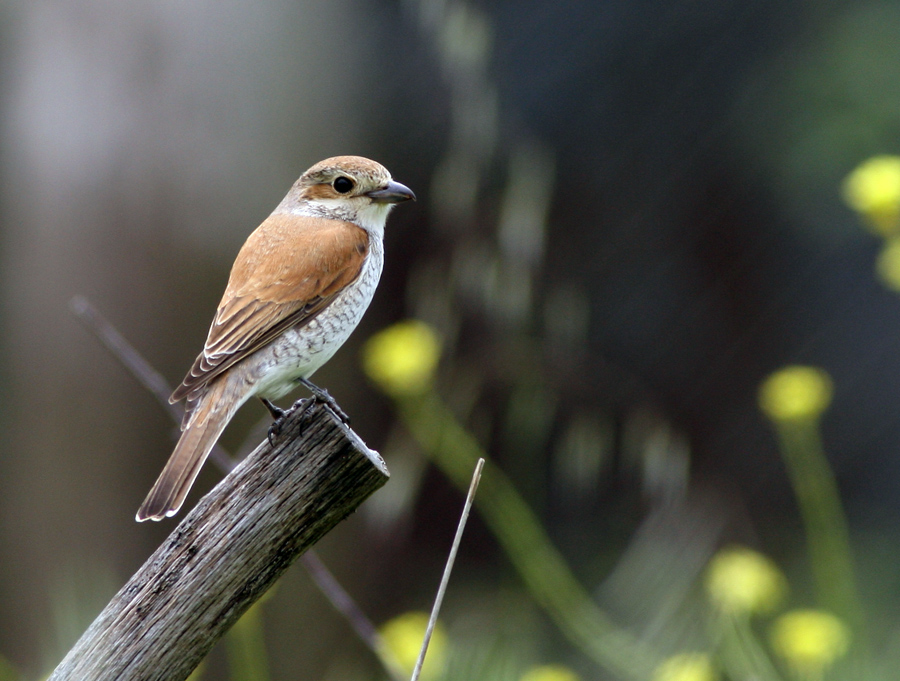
(227, 552)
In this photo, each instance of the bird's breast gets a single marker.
(303, 349)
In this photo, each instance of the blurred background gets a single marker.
(630, 214)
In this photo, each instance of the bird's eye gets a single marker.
(342, 184)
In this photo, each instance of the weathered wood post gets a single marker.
(228, 550)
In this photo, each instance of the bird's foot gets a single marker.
(279, 415)
(276, 411)
(321, 395)
(304, 405)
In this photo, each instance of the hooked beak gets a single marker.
(393, 193)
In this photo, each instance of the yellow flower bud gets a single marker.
(402, 359)
(403, 637)
(873, 190)
(741, 581)
(686, 667)
(810, 641)
(795, 393)
(550, 672)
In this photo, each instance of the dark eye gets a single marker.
(342, 184)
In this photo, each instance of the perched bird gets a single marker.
(298, 288)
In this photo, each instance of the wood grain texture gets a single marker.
(227, 552)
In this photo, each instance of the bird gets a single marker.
(298, 288)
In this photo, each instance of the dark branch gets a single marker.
(139, 367)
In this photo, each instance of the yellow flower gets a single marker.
(403, 637)
(550, 672)
(873, 189)
(686, 667)
(402, 358)
(741, 581)
(810, 641)
(795, 393)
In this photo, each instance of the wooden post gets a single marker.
(227, 552)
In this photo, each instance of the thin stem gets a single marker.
(825, 524)
(139, 367)
(541, 567)
(344, 604)
(246, 647)
(448, 568)
(739, 650)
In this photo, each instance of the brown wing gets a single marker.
(289, 270)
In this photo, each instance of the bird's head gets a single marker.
(348, 188)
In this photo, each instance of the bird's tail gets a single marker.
(207, 421)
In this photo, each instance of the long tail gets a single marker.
(209, 418)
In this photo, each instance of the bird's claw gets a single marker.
(276, 411)
(303, 404)
(273, 432)
(278, 414)
(322, 396)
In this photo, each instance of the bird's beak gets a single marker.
(393, 193)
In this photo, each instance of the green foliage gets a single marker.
(7, 671)
(246, 648)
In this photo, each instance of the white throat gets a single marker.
(371, 216)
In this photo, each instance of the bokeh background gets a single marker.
(629, 215)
